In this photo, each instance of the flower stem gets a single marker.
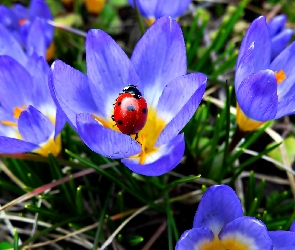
(139, 19)
(238, 136)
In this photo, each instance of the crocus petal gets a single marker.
(39, 8)
(61, 120)
(245, 67)
(8, 19)
(258, 33)
(36, 39)
(14, 146)
(219, 206)
(286, 107)
(285, 61)
(109, 70)
(21, 11)
(159, 57)
(23, 14)
(16, 83)
(188, 92)
(165, 8)
(177, 93)
(282, 240)
(10, 47)
(9, 131)
(279, 42)
(257, 96)
(245, 231)
(105, 141)
(276, 24)
(146, 8)
(160, 162)
(73, 96)
(34, 127)
(292, 228)
(39, 70)
(194, 239)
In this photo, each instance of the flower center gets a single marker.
(16, 114)
(245, 123)
(149, 135)
(280, 76)
(150, 21)
(50, 146)
(228, 244)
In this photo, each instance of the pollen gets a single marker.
(280, 76)
(17, 111)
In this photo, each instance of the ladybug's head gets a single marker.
(132, 89)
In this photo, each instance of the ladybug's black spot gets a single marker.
(119, 103)
(119, 122)
(130, 108)
(143, 110)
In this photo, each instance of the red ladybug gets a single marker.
(130, 111)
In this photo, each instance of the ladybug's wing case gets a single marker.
(142, 113)
(125, 113)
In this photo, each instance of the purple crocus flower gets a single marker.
(280, 36)
(264, 89)
(20, 19)
(158, 69)
(29, 121)
(153, 9)
(219, 224)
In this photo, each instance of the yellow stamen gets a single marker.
(245, 123)
(9, 123)
(280, 76)
(17, 111)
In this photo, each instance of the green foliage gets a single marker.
(95, 205)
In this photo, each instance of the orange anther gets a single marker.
(22, 21)
(280, 76)
(17, 111)
(9, 123)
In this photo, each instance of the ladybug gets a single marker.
(130, 111)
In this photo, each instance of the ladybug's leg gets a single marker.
(136, 136)
(113, 118)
